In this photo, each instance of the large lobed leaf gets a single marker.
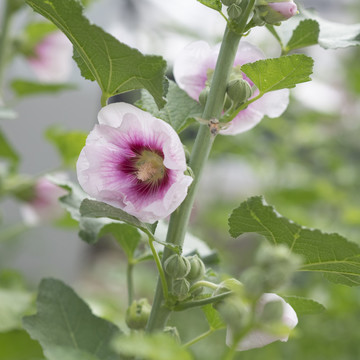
(66, 328)
(116, 67)
(279, 73)
(330, 254)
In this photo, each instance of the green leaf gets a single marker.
(279, 73)
(303, 306)
(13, 306)
(330, 254)
(8, 152)
(68, 143)
(96, 209)
(213, 317)
(64, 324)
(116, 67)
(179, 111)
(213, 4)
(158, 346)
(127, 236)
(26, 88)
(335, 35)
(17, 345)
(305, 34)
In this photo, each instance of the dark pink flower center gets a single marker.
(146, 165)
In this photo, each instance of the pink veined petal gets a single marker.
(247, 53)
(273, 103)
(259, 338)
(244, 121)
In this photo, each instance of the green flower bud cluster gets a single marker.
(274, 266)
(184, 271)
(138, 314)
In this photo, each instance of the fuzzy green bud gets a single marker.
(272, 312)
(234, 11)
(197, 270)
(239, 91)
(204, 95)
(180, 289)
(177, 266)
(138, 314)
(228, 285)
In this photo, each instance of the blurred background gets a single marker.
(305, 163)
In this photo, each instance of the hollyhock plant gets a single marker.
(52, 59)
(259, 337)
(194, 66)
(135, 162)
(273, 12)
(43, 205)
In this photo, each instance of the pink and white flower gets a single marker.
(52, 60)
(285, 10)
(198, 59)
(259, 338)
(135, 162)
(44, 204)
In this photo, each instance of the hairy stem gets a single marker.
(214, 106)
(129, 280)
(198, 338)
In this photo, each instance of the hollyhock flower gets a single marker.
(197, 61)
(285, 10)
(135, 162)
(259, 337)
(52, 59)
(43, 205)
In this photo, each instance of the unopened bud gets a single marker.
(177, 266)
(272, 312)
(138, 314)
(234, 11)
(275, 11)
(228, 285)
(203, 96)
(197, 270)
(180, 289)
(235, 312)
(239, 91)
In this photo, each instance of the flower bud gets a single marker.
(203, 96)
(275, 11)
(173, 332)
(239, 91)
(177, 266)
(180, 289)
(228, 285)
(272, 312)
(138, 314)
(234, 11)
(235, 312)
(197, 270)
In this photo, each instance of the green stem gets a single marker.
(164, 286)
(202, 302)
(203, 283)
(198, 338)
(130, 283)
(3, 42)
(213, 108)
(104, 98)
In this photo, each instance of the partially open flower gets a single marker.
(259, 337)
(135, 162)
(275, 11)
(52, 59)
(193, 70)
(43, 205)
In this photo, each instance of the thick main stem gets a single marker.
(3, 43)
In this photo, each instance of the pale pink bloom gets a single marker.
(44, 205)
(52, 61)
(135, 162)
(191, 69)
(285, 9)
(260, 338)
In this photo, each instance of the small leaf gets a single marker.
(127, 236)
(179, 111)
(279, 73)
(116, 67)
(330, 254)
(213, 4)
(303, 306)
(96, 209)
(26, 88)
(158, 346)
(213, 317)
(64, 324)
(17, 345)
(305, 34)
(68, 143)
(8, 152)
